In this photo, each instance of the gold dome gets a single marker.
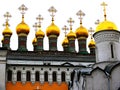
(106, 25)
(71, 34)
(91, 44)
(52, 30)
(34, 41)
(40, 33)
(22, 28)
(81, 31)
(7, 31)
(65, 41)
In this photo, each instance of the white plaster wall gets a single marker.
(115, 78)
(99, 80)
(89, 83)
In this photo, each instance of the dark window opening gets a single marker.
(54, 77)
(28, 76)
(18, 76)
(9, 75)
(63, 76)
(46, 76)
(37, 76)
(112, 51)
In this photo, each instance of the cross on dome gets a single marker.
(7, 15)
(70, 21)
(23, 8)
(65, 28)
(104, 9)
(35, 26)
(91, 32)
(80, 14)
(52, 10)
(39, 18)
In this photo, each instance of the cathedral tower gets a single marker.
(107, 40)
(65, 42)
(71, 37)
(52, 31)
(82, 34)
(6, 32)
(22, 30)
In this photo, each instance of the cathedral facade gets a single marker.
(52, 69)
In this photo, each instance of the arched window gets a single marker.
(28, 76)
(72, 74)
(63, 76)
(19, 76)
(9, 75)
(46, 76)
(37, 76)
(54, 76)
(119, 88)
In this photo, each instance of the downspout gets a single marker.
(108, 77)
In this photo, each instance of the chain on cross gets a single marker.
(52, 10)
(104, 9)
(23, 8)
(35, 26)
(7, 15)
(65, 28)
(70, 21)
(91, 31)
(80, 14)
(39, 18)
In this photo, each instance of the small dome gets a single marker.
(91, 44)
(34, 41)
(81, 31)
(22, 28)
(40, 33)
(7, 31)
(71, 34)
(106, 25)
(52, 30)
(65, 41)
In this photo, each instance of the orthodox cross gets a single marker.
(65, 28)
(70, 21)
(80, 14)
(97, 21)
(91, 32)
(104, 9)
(35, 26)
(7, 15)
(52, 10)
(23, 8)
(39, 18)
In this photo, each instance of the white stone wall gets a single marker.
(115, 78)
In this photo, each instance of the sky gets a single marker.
(65, 10)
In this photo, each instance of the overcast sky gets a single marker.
(65, 9)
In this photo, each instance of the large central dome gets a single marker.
(106, 25)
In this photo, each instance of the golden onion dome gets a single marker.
(40, 33)
(52, 30)
(71, 34)
(81, 31)
(7, 31)
(22, 28)
(34, 41)
(65, 41)
(91, 44)
(106, 25)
